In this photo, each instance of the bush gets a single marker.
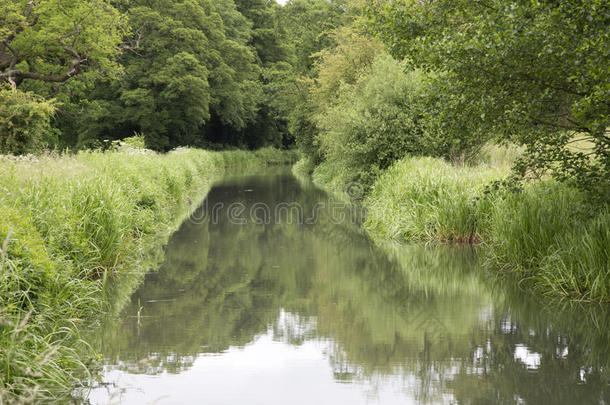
(25, 122)
(375, 123)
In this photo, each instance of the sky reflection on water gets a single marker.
(314, 313)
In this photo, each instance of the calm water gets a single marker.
(260, 302)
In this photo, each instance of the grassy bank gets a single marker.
(68, 224)
(544, 231)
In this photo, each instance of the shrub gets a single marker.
(375, 123)
(25, 122)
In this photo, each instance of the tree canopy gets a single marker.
(180, 69)
(531, 72)
(53, 41)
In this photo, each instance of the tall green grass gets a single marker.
(68, 224)
(579, 265)
(546, 232)
(553, 238)
(429, 199)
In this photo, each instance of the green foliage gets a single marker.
(545, 232)
(338, 68)
(194, 73)
(364, 111)
(266, 36)
(374, 123)
(351, 56)
(180, 69)
(311, 27)
(308, 24)
(53, 41)
(301, 124)
(534, 72)
(25, 122)
(537, 215)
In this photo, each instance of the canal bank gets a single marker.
(552, 236)
(69, 226)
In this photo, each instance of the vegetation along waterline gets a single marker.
(451, 121)
(70, 224)
(451, 124)
(548, 234)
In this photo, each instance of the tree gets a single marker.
(529, 71)
(308, 23)
(273, 56)
(25, 121)
(181, 71)
(266, 36)
(52, 41)
(375, 122)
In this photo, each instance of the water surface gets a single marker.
(271, 294)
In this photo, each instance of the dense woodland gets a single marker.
(199, 73)
(358, 83)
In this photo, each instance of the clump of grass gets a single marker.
(546, 232)
(523, 227)
(579, 264)
(553, 237)
(429, 199)
(68, 224)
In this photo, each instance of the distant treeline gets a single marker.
(360, 83)
(80, 74)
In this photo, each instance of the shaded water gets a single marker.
(257, 304)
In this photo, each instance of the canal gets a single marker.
(271, 294)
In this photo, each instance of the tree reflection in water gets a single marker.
(429, 314)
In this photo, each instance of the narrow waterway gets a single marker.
(271, 294)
